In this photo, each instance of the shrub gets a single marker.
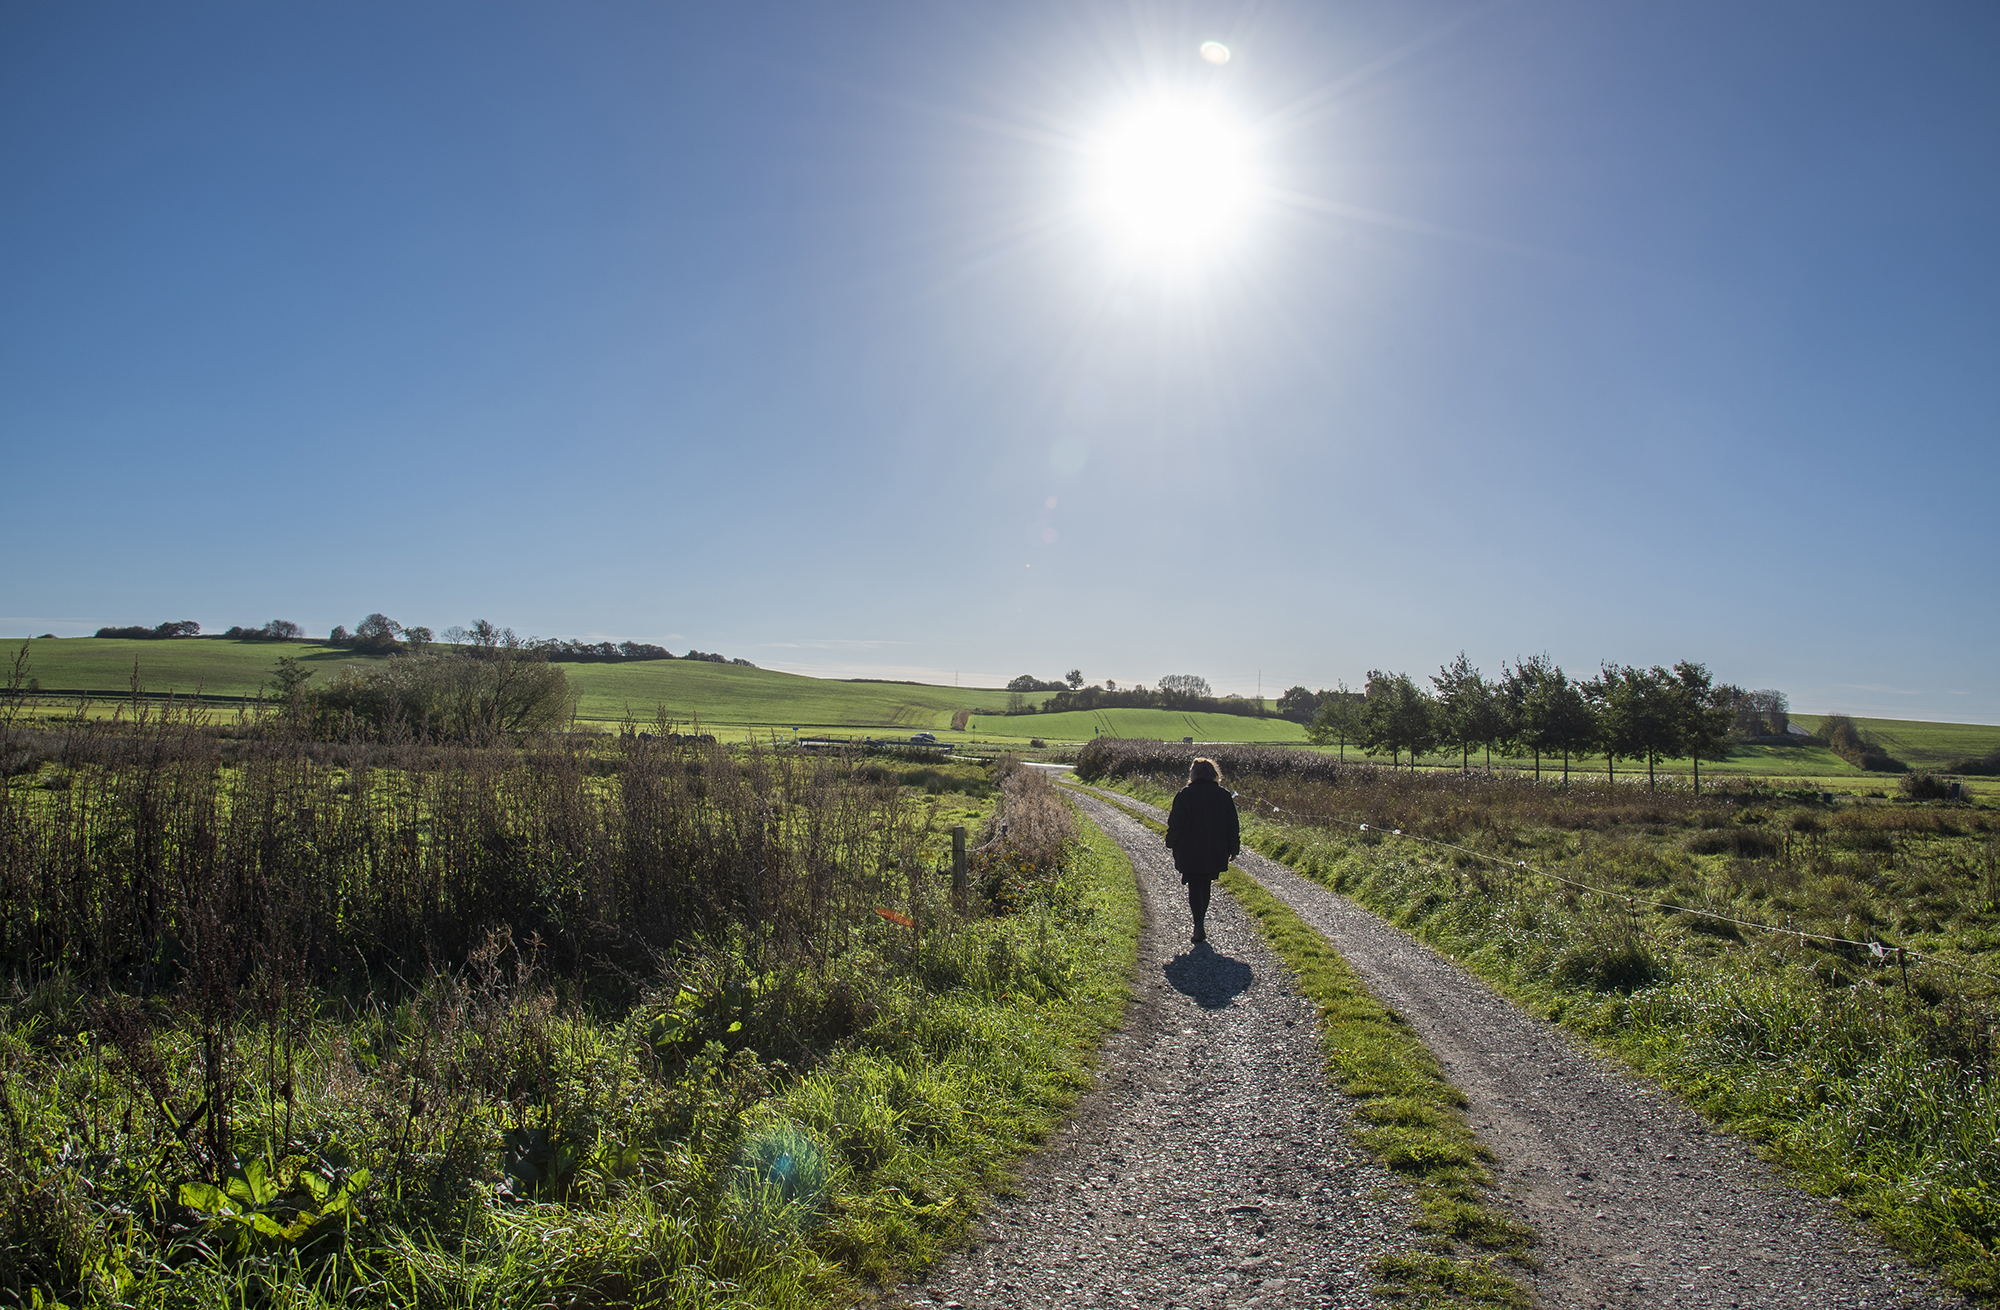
(464, 696)
(1845, 740)
(1025, 842)
(1925, 786)
(185, 628)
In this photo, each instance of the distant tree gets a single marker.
(283, 630)
(418, 639)
(1708, 713)
(185, 628)
(377, 635)
(1520, 708)
(1569, 723)
(1641, 715)
(1844, 738)
(1298, 705)
(1659, 718)
(1545, 713)
(1075, 679)
(1185, 684)
(1337, 718)
(1467, 709)
(1763, 713)
(1109, 685)
(338, 637)
(1609, 700)
(288, 677)
(1397, 715)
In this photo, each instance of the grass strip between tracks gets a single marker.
(1414, 1117)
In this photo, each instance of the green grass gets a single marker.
(1920, 744)
(738, 696)
(687, 689)
(211, 665)
(1159, 725)
(559, 1157)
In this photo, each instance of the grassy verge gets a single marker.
(1414, 1116)
(488, 1142)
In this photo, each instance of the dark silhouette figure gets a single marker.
(1203, 835)
(1213, 980)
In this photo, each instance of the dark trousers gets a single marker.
(1198, 892)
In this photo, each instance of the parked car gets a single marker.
(926, 737)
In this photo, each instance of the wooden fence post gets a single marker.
(958, 873)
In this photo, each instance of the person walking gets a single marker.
(1202, 833)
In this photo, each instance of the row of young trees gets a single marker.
(1534, 708)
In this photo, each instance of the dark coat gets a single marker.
(1202, 830)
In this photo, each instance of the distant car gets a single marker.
(925, 736)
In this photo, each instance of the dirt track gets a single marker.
(1638, 1201)
(1211, 1166)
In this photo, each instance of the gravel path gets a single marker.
(1639, 1202)
(1212, 1165)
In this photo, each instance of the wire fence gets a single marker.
(1877, 949)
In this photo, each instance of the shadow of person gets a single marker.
(1213, 980)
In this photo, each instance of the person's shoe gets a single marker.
(1199, 935)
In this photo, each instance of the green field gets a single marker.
(734, 695)
(724, 694)
(1160, 725)
(735, 701)
(212, 666)
(1920, 744)
(730, 698)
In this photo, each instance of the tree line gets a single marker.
(1536, 709)
(1186, 692)
(378, 634)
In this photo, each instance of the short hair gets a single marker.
(1204, 770)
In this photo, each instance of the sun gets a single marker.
(1172, 177)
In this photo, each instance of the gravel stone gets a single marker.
(1638, 1200)
(1211, 1166)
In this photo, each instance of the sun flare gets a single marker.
(1172, 178)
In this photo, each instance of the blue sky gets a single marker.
(1620, 332)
